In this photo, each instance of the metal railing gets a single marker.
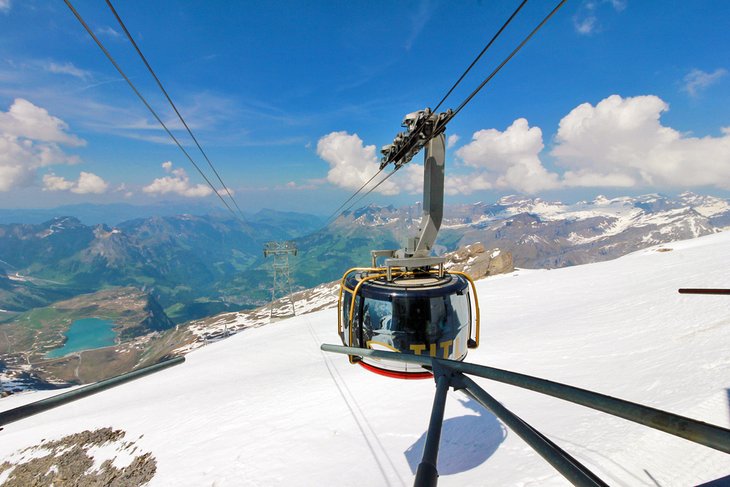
(450, 373)
(21, 412)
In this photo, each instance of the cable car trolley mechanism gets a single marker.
(406, 301)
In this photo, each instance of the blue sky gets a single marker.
(290, 99)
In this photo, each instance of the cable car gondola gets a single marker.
(410, 303)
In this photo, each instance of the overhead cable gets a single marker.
(486, 48)
(159, 83)
(152, 111)
(335, 213)
(517, 49)
(373, 188)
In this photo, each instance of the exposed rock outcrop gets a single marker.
(478, 262)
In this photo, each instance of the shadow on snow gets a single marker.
(466, 441)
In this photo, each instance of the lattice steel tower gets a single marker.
(282, 280)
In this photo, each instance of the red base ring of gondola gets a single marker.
(396, 375)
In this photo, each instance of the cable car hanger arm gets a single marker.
(424, 130)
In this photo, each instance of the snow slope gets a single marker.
(267, 407)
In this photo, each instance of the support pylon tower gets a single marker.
(281, 286)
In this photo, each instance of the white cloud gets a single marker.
(351, 163)
(467, 184)
(27, 120)
(122, 188)
(621, 142)
(585, 20)
(585, 25)
(68, 68)
(51, 182)
(409, 178)
(451, 140)
(4, 6)
(87, 183)
(308, 185)
(508, 159)
(30, 138)
(697, 80)
(178, 183)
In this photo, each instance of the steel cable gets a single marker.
(159, 83)
(144, 101)
(486, 48)
(507, 59)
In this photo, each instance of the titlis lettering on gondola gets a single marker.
(419, 348)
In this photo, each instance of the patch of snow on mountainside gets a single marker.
(267, 407)
(706, 206)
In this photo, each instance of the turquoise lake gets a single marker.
(84, 334)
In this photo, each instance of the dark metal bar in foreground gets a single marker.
(21, 412)
(561, 460)
(690, 429)
(690, 290)
(427, 474)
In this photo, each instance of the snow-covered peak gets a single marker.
(707, 206)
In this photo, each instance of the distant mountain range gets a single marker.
(192, 264)
(545, 234)
(115, 213)
(200, 265)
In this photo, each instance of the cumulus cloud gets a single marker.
(622, 142)
(697, 80)
(619, 142)
(508, 159)
(51, 182)
(351, 162)
(177, 183)
(29, 121)
(88, 183)
(30, 138)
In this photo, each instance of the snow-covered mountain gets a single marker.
(267, 407)
(549, 234)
